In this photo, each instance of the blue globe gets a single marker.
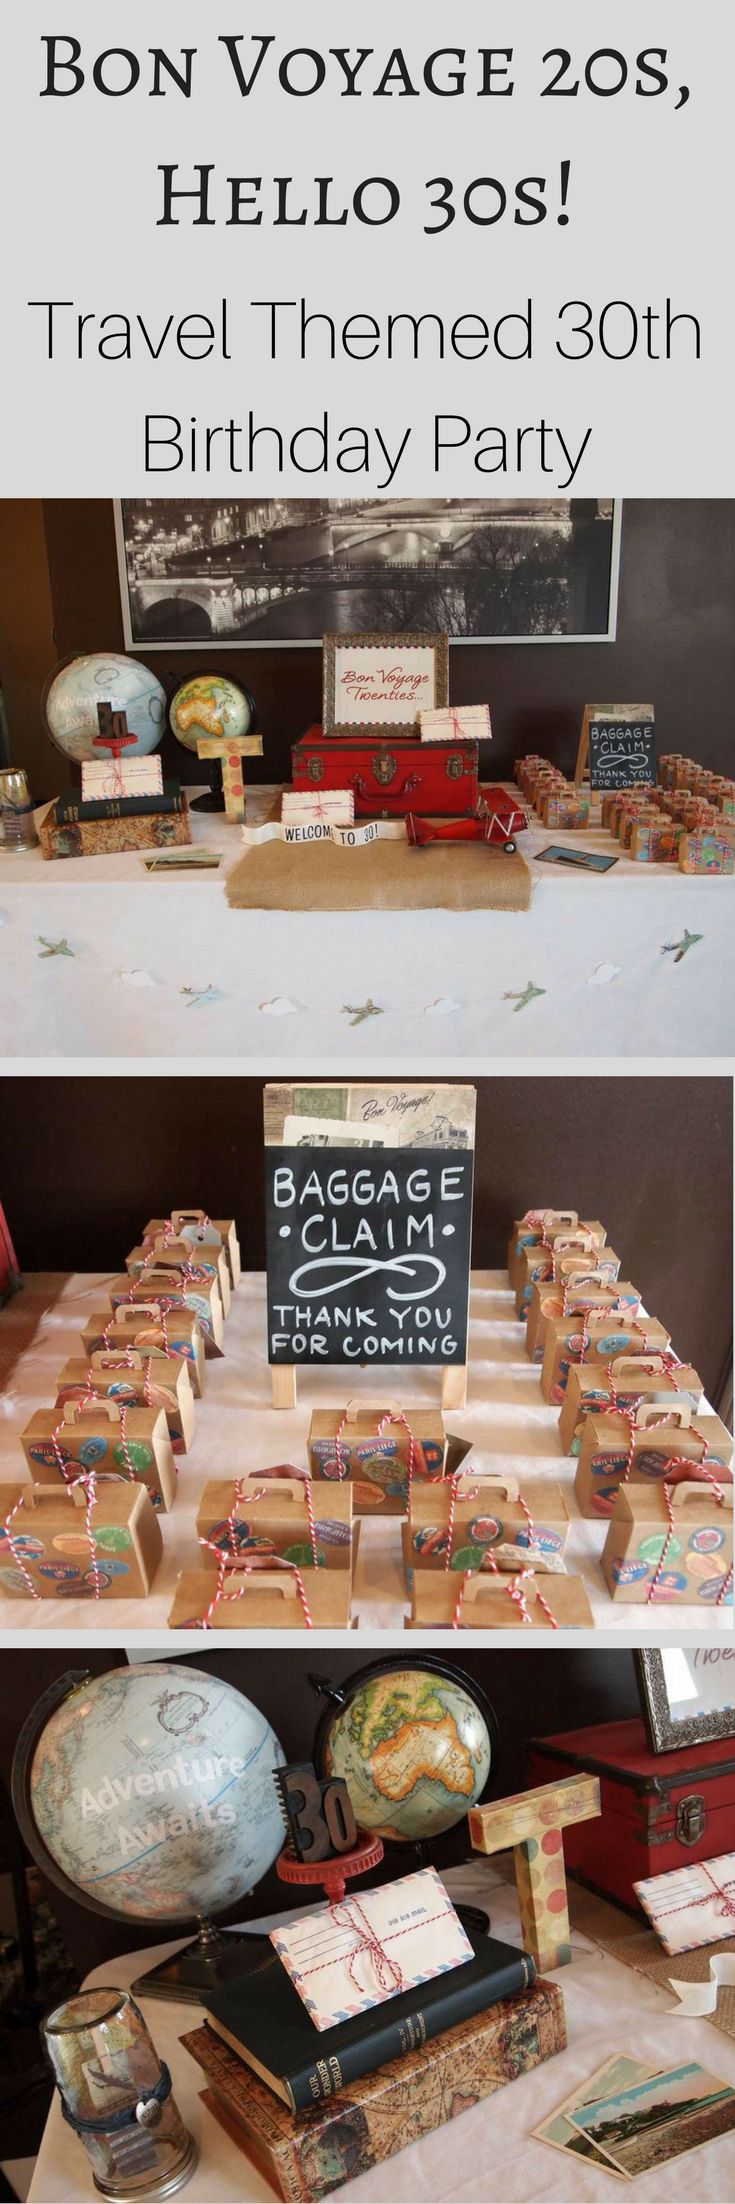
(104, 677)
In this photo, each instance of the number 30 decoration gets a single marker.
(318, 1815)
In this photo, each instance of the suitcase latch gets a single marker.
(691, 1819)
(385, 768)
(315, 769)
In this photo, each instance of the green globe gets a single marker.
(414, 1743)
(104, 677)
(152, 1793)
(210, 705)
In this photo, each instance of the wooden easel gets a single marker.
(284, 1376)
(231, 751)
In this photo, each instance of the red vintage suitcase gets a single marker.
(659, 1810)
(433, 779)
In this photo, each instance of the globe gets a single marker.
(210, 705)
(151, 1790)
(104, 677)
(414, 1742)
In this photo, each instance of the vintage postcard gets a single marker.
(581, 860)
(617, 2073)
(343, 1959)
(692, 1905)
(409, 1114)
(644, 2126)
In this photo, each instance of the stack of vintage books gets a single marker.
(76, 826)
(314, 2110)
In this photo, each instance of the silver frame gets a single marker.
(665, 1735)
(314, 642)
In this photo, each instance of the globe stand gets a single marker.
(333, 1874)
(214, 1958)
(214, 797)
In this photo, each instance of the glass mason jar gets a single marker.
(17, 823)
(116, 2095)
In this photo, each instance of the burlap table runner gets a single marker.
(385, 876)
(637, 1946)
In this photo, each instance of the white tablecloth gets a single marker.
(102, 958)
(237, 1431)
(490, 2154)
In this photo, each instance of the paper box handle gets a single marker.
(378, 1402)
(479, 1587)
(73, 1409)
(482, 1485)
(37, 1493)
(126, 1310)
(679, 1495)
(264, 1580)
(652, 1364)
(181, 1217)
(562, 1217)
(291, 1488)
(156, 1270)
(576, 1239)
(107, 1359)
(679, 1413)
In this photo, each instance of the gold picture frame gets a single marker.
(377, 669)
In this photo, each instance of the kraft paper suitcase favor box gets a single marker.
(697, 1555)
(566, 1330)
(164, 1282)
(537, 1227)
(390, 778)
(151, 1328)
(135, 1381)
(269, 1599)
(178, 1255)
(196, 1226)
(660, 1436)
(657, 1378)
(489, 1511)
(49, 1534)
(485, 1603)
(270, 1516)
(581, 1284)
(705, 852)
(537, 1261)
(131, 1444)
(659, 1810)
(596, 1339)
(376, 1467)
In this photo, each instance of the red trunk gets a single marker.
(389, 779)
(659, 1810)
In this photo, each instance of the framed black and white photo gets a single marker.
(287, 571)
(687, 1694)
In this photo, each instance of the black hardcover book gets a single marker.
(263, 2019)
(71, 807)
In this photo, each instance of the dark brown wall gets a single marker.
(532, 1696)
(84, 1163)
(675, 647)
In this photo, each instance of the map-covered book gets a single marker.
(308, 2155)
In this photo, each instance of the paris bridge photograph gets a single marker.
(290, 570)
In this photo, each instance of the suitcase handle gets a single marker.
(361, 788)
(679, 1413)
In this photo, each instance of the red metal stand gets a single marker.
(333, 1874)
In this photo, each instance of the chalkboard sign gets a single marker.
(368, 1252)
(617, 746)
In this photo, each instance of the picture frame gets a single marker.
(278, 573)
(684, 1694)
(378, 684)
